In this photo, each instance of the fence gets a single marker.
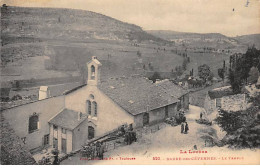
(113, 142)
(149, 129)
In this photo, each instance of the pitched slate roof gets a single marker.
(137, 94)
(220, 92)
(173, 89)
(67, 119)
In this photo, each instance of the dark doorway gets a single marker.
(145, 119)
(64, 146)
(55, 143)
(91, 132)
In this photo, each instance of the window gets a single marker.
(92, 72)
(95, 108)
(55, 127)
(89, 107)
(33, 123)
(46, 140)
(63, 131)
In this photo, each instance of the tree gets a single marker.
(242, 127)
(235, 82)
(139, 54)
(240, 67)
(204, 72)
(184, 64)
(253, 75)
(221, 73)
(155, 76)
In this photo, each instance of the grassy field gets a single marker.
(213, 60)
(50, 43)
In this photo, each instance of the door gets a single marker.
(166, 111)
(55, 143)
(91, 132)
(145, 119)
(64, 145)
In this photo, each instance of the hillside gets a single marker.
(249, 40)
(65, 24)
(32, 26)
(39, 43)
(214, 40)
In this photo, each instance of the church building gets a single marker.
(67, 121)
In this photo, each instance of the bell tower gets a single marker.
(93, 71)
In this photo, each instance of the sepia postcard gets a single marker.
(140, 82)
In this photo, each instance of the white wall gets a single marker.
(18, 117)
(110, 115)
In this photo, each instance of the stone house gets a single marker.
(67, 121)
(225, 99)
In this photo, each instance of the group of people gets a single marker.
(184, 127)
(130, 137)
(181, 117)
(94, 150)
(129, 134)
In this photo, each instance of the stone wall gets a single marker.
(234, 102)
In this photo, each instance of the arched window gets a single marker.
(93, 72)
(89, 107)
(95, 108)
(33, 123)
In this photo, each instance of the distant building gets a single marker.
(225, 99)
(5, 91)
(66, 122)
(5, 94)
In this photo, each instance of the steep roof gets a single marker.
(137, 95)
(67, 119)
(172, 89)
(220, 92)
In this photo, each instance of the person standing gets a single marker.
(56, 157)
(98, 145)
(200, 115)
(101, 151)
(186, 128)
(182, 127)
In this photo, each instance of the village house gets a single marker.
(67, 121)
(224, 98)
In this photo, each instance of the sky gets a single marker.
(229, 17)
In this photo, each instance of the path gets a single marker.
(168, 139)
(167, 143)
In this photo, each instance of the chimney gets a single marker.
(44, 92)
